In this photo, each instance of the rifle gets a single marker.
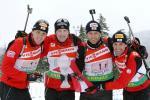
(143, 59)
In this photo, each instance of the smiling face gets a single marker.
(62, 34)
(93, 36)
(119, 48)
(38, 36)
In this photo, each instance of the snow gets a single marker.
(37, 92)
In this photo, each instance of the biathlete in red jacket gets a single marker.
(131, 71)
(20, 62)
(98, 67)
(61, 49)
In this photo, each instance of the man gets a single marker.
(20, 61)
(98, 63)
(61, 49)
(132, 73)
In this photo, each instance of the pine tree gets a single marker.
(82, 35)
(105, 28)
(102, 22)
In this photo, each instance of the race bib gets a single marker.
(99, 68)
(26, 65)
(61, 63)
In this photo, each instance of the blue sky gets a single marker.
(14, 12)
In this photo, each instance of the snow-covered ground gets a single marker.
(37, 92)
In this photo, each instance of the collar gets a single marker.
(94, 46)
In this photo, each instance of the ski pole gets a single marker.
(143, 59)
(29, 10)
(92, 11)
(130, 30)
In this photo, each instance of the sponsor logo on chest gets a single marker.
(31, 53)
(97, 54)
(62, 51)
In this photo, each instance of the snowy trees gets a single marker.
(82, 35)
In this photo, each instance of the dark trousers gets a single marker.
(51, 94)
(140, 95)
(10, 93)
(99, 95)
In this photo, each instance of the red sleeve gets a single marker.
(9, 61)
(126, 75)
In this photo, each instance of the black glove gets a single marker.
(135, 43)
(91, 89)
(139, 48)
(34, 76)
(94, 88)
(20, 34)
(143, 52)
(62, 77)
(75, 75)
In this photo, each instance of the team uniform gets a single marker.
(98, 66)
(60, 56)
(131, 76)
(14, 73)
(19, 62)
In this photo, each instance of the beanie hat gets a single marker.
(119, 37)
(41, 25)
(93, 26)
(61, 24)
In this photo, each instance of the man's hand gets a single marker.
(135, 43)
(20, 34)
(91, 90)
(34, 76)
